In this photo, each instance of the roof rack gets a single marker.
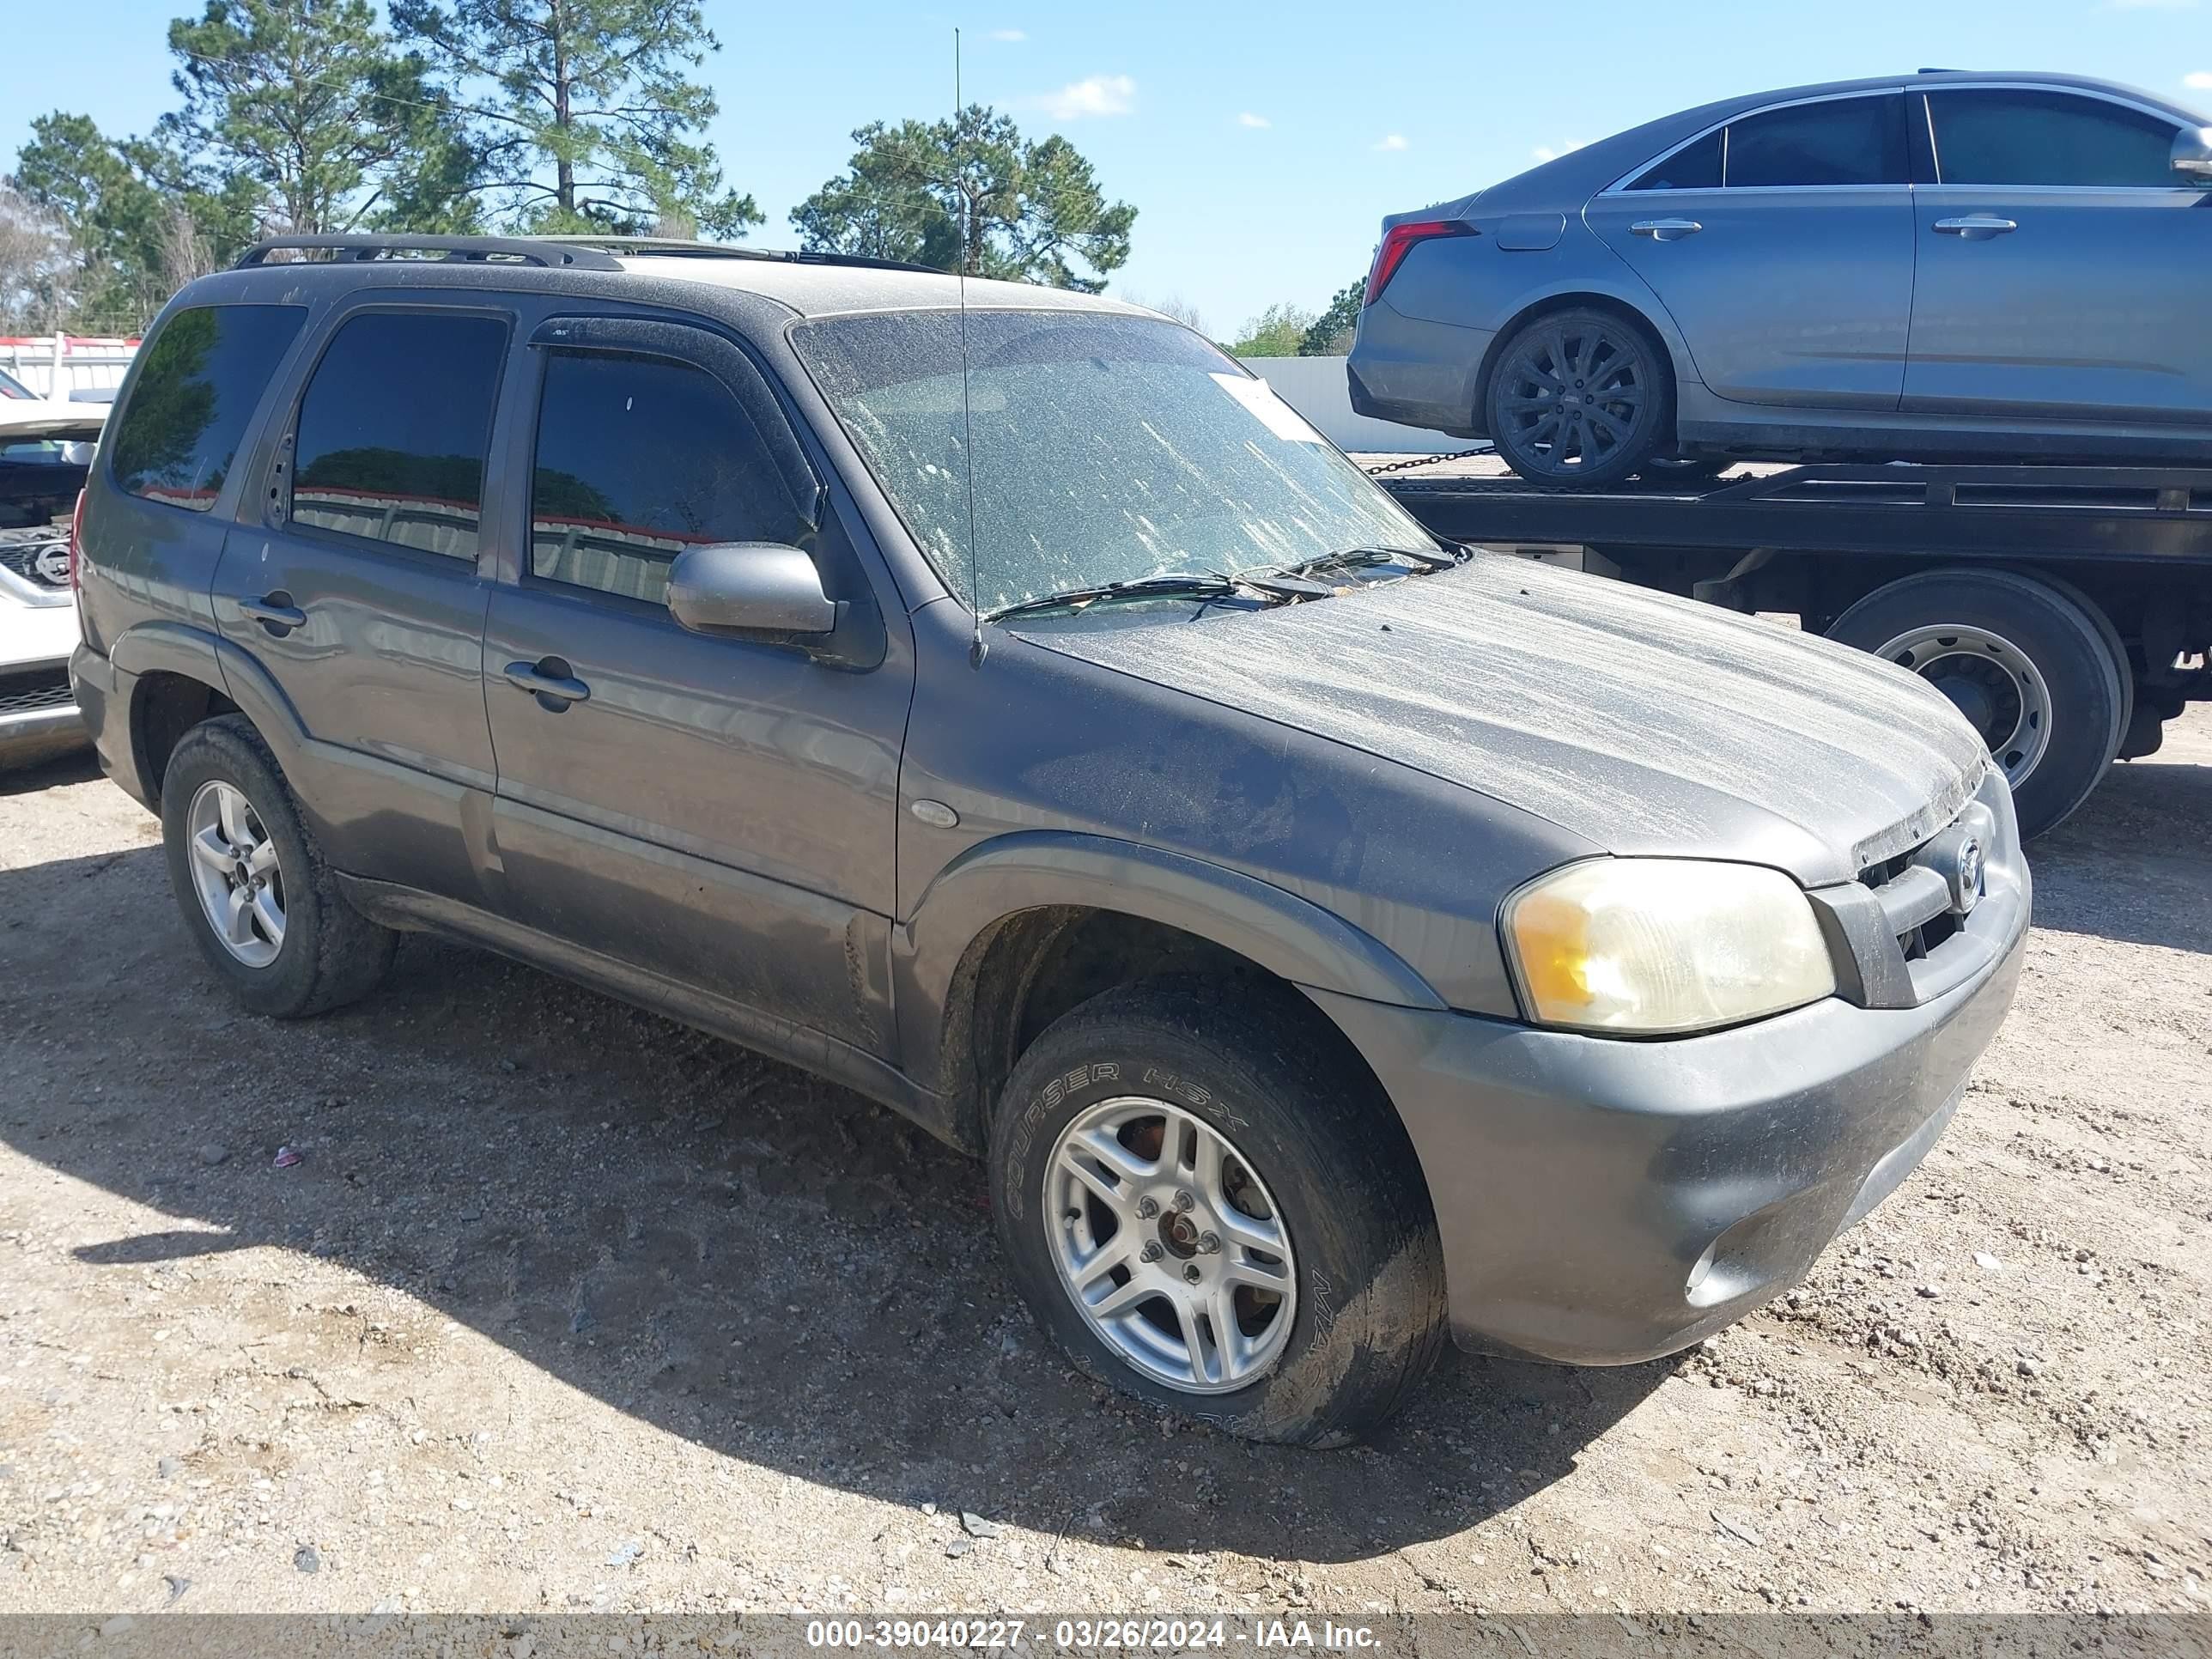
(485, 250)
(683, 248)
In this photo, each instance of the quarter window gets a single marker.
(202, 376)
(1837, 140)
(638, 458)
(2006, 136)
(394, 428)
(1696, 165)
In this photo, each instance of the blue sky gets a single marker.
(1260, 143)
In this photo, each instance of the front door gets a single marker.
(2063, 263)
(1781, 246)
(719, 811)
(356, 587)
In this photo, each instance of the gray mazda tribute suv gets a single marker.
(1000, 702)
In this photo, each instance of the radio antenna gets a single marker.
(977, 650)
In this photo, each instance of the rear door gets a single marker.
(1781, 244)
(357, 588)
(717, 811)
(2062, 262)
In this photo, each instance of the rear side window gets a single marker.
(394, 428)
(2019, 138)
(201, 377)
(638, 458)
(1840, 140)
(1696, 165)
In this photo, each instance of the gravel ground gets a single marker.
(564, 1307)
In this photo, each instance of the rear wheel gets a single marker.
(1579, 397)
(256, 894)
(2028, 667)
(1209, 1210)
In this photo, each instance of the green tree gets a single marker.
(1278, 331)
(114, 201)
(1024, 211)
(1331, 333)
(311, 107)
(581, 109)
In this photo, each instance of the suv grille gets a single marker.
(40, 560)
(40, 689)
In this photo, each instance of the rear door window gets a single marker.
(639, 458)
(1696, 165)
(2008, 137)
(1837, 140)
(203, 375)
(394, 428)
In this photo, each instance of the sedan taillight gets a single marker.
(1400, 241)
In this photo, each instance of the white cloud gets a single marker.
(2200, 79)
(1552, 151)
(1010, 36)
(1247, 119)
(1392, 141)
(1096, 94)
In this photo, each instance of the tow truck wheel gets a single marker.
(2027, 665)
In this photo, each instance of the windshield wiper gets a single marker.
(1174, 586)
(1362, 558)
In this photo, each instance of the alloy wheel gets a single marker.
(1169, 1245)
(236, 873)
(1572, 396)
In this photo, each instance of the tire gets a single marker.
(1972, 631)
(309, 952)
(1684, 469)
(1358, 1314)
(1587, 354)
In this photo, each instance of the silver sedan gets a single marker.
(1933, 266)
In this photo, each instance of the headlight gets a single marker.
(1655, 945)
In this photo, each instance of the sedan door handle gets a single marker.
(274, 612)
(1976, 227)
(551, 681)
(1666, 230)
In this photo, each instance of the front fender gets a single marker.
(1289, 936)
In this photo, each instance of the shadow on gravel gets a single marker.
(728, 1249)
(49, 775)
(2134, 863)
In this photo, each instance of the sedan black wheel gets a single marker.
(1579, 397)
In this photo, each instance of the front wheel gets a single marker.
(1211, 1211)
(1579, 397)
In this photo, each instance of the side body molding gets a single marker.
(936, 947)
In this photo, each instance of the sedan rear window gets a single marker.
(1837, 140)
(202, 374)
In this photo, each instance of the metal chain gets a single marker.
(1405, 466)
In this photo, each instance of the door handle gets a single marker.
(1666, 230)
(274, 612)
(1976, 227)
(550, 680)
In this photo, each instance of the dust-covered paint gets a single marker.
(1640, 721)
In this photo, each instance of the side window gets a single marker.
(2003, 136)
(1839, 141)
(1694, 167)
(202, 375)
(394, 428)
(638, 458)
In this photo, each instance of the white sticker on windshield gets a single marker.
(1278, 417)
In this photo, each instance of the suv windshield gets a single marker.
(1106, 449)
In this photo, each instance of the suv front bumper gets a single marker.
(1604, 1201)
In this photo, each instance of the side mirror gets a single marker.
(2192, 153)
(749, 587)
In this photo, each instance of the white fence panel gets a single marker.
(1316, 387)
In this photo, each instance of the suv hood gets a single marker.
(1643, 723)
